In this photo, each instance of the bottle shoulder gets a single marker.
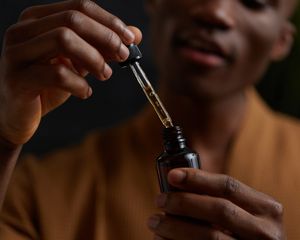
(185, 153)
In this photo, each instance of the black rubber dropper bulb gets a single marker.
(134, 56)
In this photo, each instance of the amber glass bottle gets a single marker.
(176, 155)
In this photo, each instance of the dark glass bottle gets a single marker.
(176, 155)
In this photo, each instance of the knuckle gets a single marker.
(96, 57)
(27, 13)
(116, 22)
(166, 225)
(277, 236)
(277, 209)
(60, 75)
(231, 186)
(226, 210)
(63, 80)
(267, 230)
(177, 202)
(73, 18)
(64, 37)
(270, 235)
(114, 41)
(83, 5)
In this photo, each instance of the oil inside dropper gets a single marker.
(151, 95)
(158, 107)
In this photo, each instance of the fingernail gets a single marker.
(89, 92)
(123, 52)
(161, 200)
(106, 72)
(177, 175)
(128, 35)
(153, 222)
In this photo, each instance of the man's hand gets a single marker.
(46, 56)
(214, 206)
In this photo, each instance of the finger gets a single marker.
(65, 42)
(87, 7)
(137, 33)
(223, 186)
(79, 69)
(41, 77)
(74, 66)
(216, 211)
(96, 34)
(71, 65)
(40, 11)
(171, 227)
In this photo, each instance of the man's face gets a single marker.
(212, 48)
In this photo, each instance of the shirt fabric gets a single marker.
(104, 189)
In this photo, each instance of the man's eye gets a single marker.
(255, 4)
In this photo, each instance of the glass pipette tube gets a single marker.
(151, 94)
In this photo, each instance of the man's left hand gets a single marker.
(215, 206)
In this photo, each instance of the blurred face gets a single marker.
(214, 48)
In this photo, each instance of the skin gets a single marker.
(50, 43)
(215, 206)
(248, 35)
(252, 39)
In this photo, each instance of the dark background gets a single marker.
(119, 98)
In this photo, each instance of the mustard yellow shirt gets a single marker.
(104, 189)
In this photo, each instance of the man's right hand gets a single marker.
(46, 56)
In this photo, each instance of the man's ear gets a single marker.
(284, 43)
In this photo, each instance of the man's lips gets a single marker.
(201, 51)
(200, 57)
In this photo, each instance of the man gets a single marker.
(209, 55)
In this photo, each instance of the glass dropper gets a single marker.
(145, 84)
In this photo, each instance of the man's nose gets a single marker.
(214, 14)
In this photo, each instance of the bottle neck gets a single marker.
(174, 147)
(174, 140)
